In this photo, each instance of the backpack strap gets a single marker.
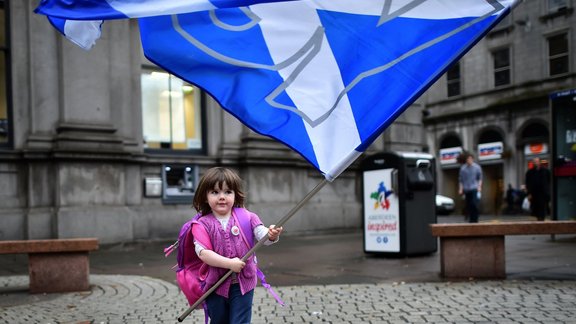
(168, 250)
(268, 287)
(243, 219)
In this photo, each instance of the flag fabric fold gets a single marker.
(325, 77)
(83, 33)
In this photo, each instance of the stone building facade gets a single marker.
(102, 143)
(494, 102)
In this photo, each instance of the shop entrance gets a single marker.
(450, 189)
(493, 191)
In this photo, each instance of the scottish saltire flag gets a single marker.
(325, 77)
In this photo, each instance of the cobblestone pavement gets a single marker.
(141, 299)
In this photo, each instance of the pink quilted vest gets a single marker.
(225, 243)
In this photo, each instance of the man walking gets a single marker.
(538, 187)
(470, 185)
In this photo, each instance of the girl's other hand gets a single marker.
(274, 233)
(236, 265)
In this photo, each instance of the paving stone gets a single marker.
(140, 299)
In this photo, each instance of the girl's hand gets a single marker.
(274, 233)
(236, 265)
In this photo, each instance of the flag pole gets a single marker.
(280, 223)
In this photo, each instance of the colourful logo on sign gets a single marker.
(449, 156)
(381, 197)
(536, 148)
(491, 150)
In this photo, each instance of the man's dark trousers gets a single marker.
(471, 198)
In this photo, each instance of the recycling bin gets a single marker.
(398, 192)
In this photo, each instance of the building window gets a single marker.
(453, 80)
(558, 59)
(5, 124)
(556, 5)
(501, 67)
(171, 112)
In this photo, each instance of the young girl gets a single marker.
(217, 198)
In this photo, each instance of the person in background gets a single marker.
(538, 188)
(470, 185)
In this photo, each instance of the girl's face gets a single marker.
(221, 200)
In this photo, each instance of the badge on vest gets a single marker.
(235, 230)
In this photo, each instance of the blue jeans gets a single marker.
(236, 309)
(472, 205)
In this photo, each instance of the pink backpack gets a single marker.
(191, 271)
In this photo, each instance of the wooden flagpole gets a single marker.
(280, 223)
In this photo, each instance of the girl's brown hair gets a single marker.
(217, 177)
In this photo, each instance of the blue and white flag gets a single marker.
(325, 77)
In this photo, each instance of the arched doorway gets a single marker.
(534, 142)
(490, 157)
(451, 140)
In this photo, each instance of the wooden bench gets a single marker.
(477, 250)
(57, 265)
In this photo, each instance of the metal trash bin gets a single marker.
(398, 190)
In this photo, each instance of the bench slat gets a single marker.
(47, 246)
(505, 228)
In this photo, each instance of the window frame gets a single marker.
(451, 81)
(549, 57)
(508, 67)
(203, 125)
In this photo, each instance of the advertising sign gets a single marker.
(490, 151)
(381, 212)
(535, 149)
(450, 155)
